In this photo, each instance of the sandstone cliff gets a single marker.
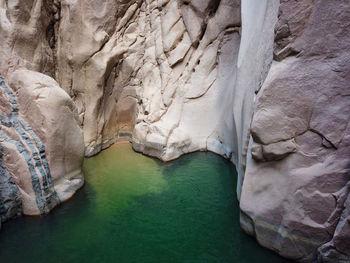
(175, 77)
(297, 179)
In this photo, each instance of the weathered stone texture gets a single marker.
(42, 144)
(25, 30)
(296, 183)
(175, 77)
(145, 64)
(10, 199)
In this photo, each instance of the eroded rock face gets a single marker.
(297, 181)
(10, 199)
(171, 76)
(42, 143)
(94, 39)
(26, 30)
(41, 140)
(337, 250)
(145, 64)
(177, 76)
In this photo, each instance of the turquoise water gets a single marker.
(137, 209)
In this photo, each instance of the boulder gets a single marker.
(42, 141)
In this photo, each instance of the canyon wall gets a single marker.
(41, 140)
(148, 71)
(296, 188)
(264, 83)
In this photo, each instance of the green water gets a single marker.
(137, 209)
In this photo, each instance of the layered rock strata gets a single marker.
(41, 139)
(41, 142)
(175, 77)
(10, 199)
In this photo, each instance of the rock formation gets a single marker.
(10, 199)
(297, 181)
(263, 83)
(41, 144)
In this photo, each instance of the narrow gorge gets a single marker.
(263, 83)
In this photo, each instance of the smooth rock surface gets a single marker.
(294, 199)
(43, 157)
(175, 77)
(160, 66)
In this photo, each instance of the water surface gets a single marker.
(136, 209)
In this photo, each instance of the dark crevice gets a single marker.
(204, 28)
(213, 7)
(54, 12)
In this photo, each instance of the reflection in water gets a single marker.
(137, 209)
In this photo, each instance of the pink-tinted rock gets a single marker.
(338, 249)
(179, 76)
(296, 205)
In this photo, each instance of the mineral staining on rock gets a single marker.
(44, 167)
(10, 199)
(264, 83)
(29, 146)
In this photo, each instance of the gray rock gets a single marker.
(10, 198)
(175, 77)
